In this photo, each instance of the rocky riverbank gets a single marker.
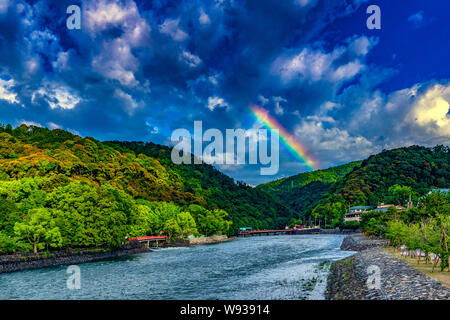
(338, 231)
(20, 262)
(397, 280)
(209, 240)
(27, 261)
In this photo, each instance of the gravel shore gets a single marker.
(397, 280)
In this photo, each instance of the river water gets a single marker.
(267, 267)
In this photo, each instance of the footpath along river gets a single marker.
(267, 267)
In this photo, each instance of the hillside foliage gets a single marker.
(58, 190)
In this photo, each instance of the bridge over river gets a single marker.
(251, 233)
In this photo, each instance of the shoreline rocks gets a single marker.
(374, 274)
(357, 242)
(28, 261)
(21, 262)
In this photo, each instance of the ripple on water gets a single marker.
(272, 267)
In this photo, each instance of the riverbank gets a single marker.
(398, 280)
(28, 261)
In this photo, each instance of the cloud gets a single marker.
(263, 100)
(416, 18)
(316, 64)
(278, 109)
(29, 123)
(431, 110)
(57, 96)
(53, 125)
(4, 5)
(217, 102)
(6, 92)
(117, 62)
(129, 104)
(333, 144)
(135, 62)
(204, 18)
(171, 28)
(102, 15)
(415, 115)
(190, 59)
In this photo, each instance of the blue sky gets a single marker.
(137, 70)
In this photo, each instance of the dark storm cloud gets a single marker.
(139, 69)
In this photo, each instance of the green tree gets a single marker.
(39, 229)
(171, 228)
(399, 195)
(186, 223)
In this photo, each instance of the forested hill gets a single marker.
(417, 167)
(370, 182)
(53, 159)
(210, 188)
(303, 191)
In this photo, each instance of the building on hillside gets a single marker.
(439, 190)
(385, 207)
(355, 213)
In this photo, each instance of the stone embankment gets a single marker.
(338, 231)
(209, 240)
(20, 262)
(27, 261)
(374, 274)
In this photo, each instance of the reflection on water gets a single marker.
(271, 267)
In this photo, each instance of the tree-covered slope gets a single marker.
(143, 171)
(303, 191)
(417, 167)
(327, 194)
(212, 189)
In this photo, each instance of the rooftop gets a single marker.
(361, 208)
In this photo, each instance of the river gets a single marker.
(267, 267)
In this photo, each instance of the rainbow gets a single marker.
(288, 139)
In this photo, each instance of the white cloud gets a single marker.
(305, 3)
(263, 100)
(416, 115)
(128, 102)
(170, 27)
(6, 92)
(4, 5)
(317, 65)
(53, 125)
(190, 59)
(103, 14)
(346, 71)
(151, 128)
(333, 144)
(57, 97)
(217, 102)
(204, 18)
(29, 123)
(431, 110)
(117, 62)
(416, 18)
(278, 108)
(362, 45)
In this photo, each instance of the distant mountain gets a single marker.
(327, 194)
(418, 167)
(303, 191)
